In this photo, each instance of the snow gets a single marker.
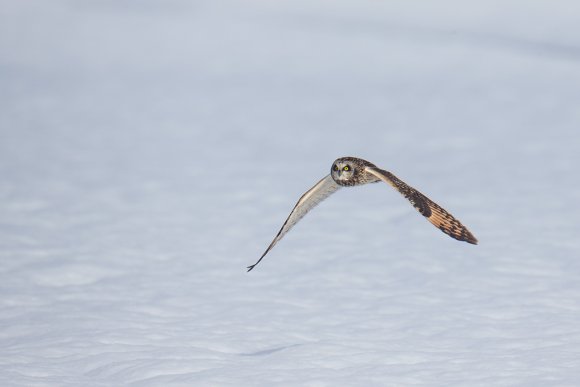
(149, 152)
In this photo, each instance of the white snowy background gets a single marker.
(150, 150)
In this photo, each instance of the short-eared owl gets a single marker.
(351, 171)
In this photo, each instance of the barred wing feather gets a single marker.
(434, 213)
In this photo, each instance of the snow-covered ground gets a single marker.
(150, 150)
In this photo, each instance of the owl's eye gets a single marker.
(334, 167)
(346, 168)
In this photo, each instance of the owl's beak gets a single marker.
(339, 172)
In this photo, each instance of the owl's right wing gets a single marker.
(323, 189)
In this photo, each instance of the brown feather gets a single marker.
(434, 213)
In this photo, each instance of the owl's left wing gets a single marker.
(323, 189)
(434, 213)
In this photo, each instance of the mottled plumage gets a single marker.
(352, 171)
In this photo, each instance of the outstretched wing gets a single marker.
(323, 189)
(434, 213)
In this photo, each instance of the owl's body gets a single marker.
(352, 171)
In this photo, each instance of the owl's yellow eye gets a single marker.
(346, 168)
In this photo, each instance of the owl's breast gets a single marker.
(346, 182)
(357, 178)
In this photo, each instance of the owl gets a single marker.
(352, 171)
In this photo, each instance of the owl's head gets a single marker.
(343, 171)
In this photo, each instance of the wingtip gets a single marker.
(471, 238)
(250, 268)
